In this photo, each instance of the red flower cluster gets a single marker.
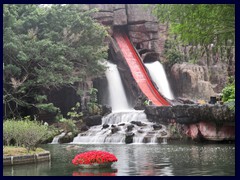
(93, 157)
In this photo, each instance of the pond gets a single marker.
(137, 160)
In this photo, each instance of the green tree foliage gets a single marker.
(172, 53)
(199, 23)
(24, 133)
(75, 113)
(229, 91)
(46, 48)
(69, 126)
(92, 106)
(210, 26)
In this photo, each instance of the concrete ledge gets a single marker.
(25, 159)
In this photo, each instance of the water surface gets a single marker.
(137, 160)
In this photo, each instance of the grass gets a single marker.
(16, 151)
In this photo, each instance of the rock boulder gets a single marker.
(191, 81)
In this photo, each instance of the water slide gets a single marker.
(138, 71)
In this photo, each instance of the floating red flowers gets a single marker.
(92, 157)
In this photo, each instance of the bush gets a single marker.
(94, 109)
(75, 113)
(18, 131)
(69, 125)
(229, 94)
(35, 133)
(8, 131)
(25, 133)
(172, 54)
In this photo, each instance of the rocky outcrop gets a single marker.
(93, 120)
(212, 131)
(102, 7)
(208, 122)
(138, 21)
(104, 14)
(67, 138)
(101, 85)
(192, 81)
(129, 137)
(143, 28)
(106, 110)
(218, 76)
(105, 126)
(190, 114)
(119, 17)
(137, 13)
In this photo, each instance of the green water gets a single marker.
(137, 160)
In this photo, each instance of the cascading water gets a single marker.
(124, 124)
(118, 98)
(159, 77)
(118, 127)
(56, 138)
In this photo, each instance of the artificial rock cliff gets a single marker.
(148, 36)
(193, 81)
(142, 27)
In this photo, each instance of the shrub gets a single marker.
(75, 113)
(35, 133)
(93, 107)
(25, 133)
(69, 125)
(8, 131)
(229, 94)
(18, 132)
(172, 54)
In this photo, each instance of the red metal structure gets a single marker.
(138, 71)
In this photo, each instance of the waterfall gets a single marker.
(56, 138)
(118, 100)
(159, 77)
(124, 123)
(117, 126)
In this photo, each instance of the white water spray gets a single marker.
(56, 138)
(122, 122)
(159, 77)
(118, 100)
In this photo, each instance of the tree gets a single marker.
(45, 48)
(201, 24)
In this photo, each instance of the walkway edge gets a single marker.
(26, 159)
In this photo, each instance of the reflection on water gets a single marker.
(137, 160)
(95, 172)
(39, 169)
